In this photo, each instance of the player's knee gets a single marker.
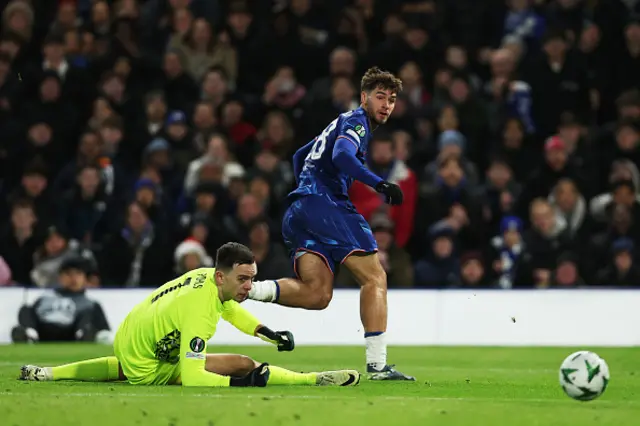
(321, 300)
(246, 365)
(376, 279)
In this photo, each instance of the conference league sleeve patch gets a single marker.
(197, 345)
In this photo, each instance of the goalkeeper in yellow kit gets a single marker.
(163, 340)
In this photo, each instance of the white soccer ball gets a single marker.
(584, 375)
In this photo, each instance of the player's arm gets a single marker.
(193, 354)
(244, 321)
(299, 157)
(344, 158)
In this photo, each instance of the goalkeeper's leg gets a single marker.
(239, 365)
(105, 369)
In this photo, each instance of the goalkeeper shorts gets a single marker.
(139, 368)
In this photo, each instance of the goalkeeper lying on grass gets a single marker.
(163, 340)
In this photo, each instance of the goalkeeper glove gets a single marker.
(282, 339)
(392, 192)
(258, 377)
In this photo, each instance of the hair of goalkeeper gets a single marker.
(232, 254)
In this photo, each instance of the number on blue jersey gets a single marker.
(321, 141)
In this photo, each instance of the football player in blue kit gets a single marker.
(322, 228)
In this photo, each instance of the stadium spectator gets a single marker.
(66, 314)
(505, 251)
(271, 257)
(138, 254)
(441, 266)
(566, 273)
(189, 255)
(55, 250)
(20, 239)
(472, 272)
(395, 260)
(544, 243)
(195, 108)
(383, 163)
(455, 201)
(622, 270)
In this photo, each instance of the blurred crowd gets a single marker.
(140, 135)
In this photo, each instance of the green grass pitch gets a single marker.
(456, 386)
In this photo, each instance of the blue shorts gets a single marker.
(317, 224)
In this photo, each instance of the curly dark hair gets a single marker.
(375, 78)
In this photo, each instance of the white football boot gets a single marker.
(338, 378)
(35, 374)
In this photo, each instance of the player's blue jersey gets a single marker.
(319, 176)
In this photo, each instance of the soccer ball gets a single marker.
(584, 375)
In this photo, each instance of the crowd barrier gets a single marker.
(418, 317)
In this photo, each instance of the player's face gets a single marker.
(236, 283)
(379, 104)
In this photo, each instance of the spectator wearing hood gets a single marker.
(441, 267)
(622, 270)
(149, 195)
(179, 136)
(383, 162)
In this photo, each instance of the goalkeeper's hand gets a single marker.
(393, 193)
(282, 339)
(258, 377)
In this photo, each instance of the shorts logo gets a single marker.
(197, 344)
(360, 130)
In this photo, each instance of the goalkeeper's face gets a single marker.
(236, 283)
(379, 104)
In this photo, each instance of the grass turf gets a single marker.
(456, 386)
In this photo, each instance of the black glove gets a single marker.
(283, 339)
(258, 377)
(392, 192)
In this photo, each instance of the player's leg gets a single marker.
(105, 369)
(313, 290)
(367, 270)
(239, 365)
(305, 237)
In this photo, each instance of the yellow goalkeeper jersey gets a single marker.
(172, 325)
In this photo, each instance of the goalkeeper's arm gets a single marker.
(193, 355)
(244, 321)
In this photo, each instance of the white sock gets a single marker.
(265, 291)
(376, 351)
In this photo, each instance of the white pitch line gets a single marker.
(321, 397)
